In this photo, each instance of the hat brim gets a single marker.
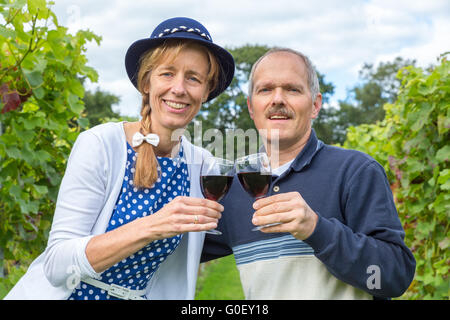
(224, 58)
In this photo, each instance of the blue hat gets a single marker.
(181, 28)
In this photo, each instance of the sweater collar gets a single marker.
(305, 156)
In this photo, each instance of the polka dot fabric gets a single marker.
(135, 271)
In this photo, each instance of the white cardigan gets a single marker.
(86, 199)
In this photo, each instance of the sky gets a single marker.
(338, 36)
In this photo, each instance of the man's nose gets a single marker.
(278, 96)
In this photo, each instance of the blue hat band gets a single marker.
(196, 31)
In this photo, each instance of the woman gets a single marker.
(129, 209)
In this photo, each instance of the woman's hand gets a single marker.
(183, 214)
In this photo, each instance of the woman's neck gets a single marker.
(168, 141)
(167, 147)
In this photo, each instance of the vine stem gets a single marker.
(29, 50)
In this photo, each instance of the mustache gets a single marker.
(280, 111)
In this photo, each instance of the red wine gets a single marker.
(255, 183)
(215, 187)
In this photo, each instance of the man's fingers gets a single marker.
(274, 207)
(273, 199)
(281, 217)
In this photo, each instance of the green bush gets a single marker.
(41, 65)
(412, 143)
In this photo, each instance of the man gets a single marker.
(340, 236)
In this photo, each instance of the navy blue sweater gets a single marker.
(358, 224)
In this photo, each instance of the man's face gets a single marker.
(282, 99)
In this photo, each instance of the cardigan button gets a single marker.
(276, 189)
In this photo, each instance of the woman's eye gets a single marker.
(194, 79)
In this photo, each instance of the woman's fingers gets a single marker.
(198, 206)
(186, 214)
(200, 202)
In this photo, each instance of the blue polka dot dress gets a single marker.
(136, 271)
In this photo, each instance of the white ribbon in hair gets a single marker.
(151, 138)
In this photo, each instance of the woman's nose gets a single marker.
(178, 86)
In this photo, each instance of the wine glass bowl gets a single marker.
(255, 175)
(216, 177)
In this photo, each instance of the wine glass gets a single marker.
(255, 175)
(216, 176)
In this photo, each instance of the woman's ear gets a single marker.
(147, 87)
(206, 95)
(147, 83)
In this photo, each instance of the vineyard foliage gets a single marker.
(412, 143)
(41, 70)
(41, 65)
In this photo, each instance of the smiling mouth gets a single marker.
(279, 113)
(278, 117)
(176, 105)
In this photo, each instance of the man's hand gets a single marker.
(290, 209)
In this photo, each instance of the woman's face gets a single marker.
(177, 89)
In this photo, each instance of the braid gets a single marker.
(146, 170)
(147, 165)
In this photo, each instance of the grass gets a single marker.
(219, 280)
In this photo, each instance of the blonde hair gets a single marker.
(146, 169)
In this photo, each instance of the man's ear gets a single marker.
(317, 105)
(249, 107)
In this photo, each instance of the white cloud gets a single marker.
(339, 36)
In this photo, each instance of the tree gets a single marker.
(365, 102)
(98, 106)
(40, 117)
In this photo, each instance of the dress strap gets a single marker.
(117, 291)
